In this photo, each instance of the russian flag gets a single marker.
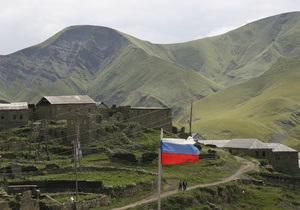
(178, 151)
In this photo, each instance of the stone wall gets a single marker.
(13, 145)
(4, 205)
(27, 203)
(63, 111)
(129, 190)
(103, 200)
(286, 162)
(281, 179)
(64, 185)
(152, 117)
(13, 118)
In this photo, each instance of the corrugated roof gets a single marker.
(245, 144)
(76, 99)
(14, 106)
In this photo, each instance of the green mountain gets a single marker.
(102, 63)
(262, 107)
(261, 96)
(242, 84)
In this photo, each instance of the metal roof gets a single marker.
(217, 143)
(245, 144)
(14, 106)
(76, 99)
(276, 147)
(248, 144)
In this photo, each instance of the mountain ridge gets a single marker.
(116, 68)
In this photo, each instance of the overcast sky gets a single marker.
(24, 23)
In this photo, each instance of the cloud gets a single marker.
(221, 30)
(26, 23)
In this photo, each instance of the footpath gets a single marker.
(247, 166)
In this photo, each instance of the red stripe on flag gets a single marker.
(173, 159)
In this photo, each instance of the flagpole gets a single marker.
(159, 171)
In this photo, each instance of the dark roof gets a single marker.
(76, 99)
(14, 106)
(197, 136)
(101, 104)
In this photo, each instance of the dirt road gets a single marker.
(247, 166)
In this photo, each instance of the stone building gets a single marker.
(80, 112)
(64, 107)
(283, 159)
(152, 117)
(251, 147)
(13, 115)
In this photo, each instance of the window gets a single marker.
(2, 117)
(256, 153)
(277, 157)
(263, 153)
(14, 117)
(21, 117)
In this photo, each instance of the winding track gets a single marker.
(247, 166)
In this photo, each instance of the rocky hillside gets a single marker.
(237, 76)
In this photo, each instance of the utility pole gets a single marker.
(45, 129)
(191, 116)
(34, 134)
(76, 157)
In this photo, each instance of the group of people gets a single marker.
(182, 185)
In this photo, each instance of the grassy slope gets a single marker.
(253, 109)
(143, 73)
(244, 53)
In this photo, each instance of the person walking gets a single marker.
(184, 184)
(180, 185)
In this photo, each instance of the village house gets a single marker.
(78, 111)
(152, 117)
(13, 115)
(64, 107)
(283, 159)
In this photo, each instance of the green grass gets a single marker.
(231, 128)
(256, 108)
(266, 197)
(205, 171)
(109, 178)
(233, 196)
